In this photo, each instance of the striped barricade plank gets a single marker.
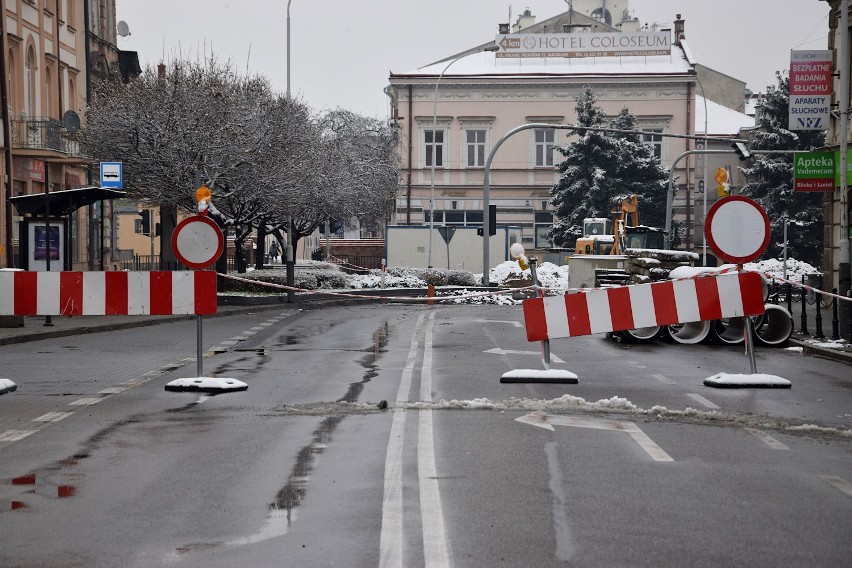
(24, 293)
(643, 305)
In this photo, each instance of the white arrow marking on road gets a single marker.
(498, 351)
(547, 421)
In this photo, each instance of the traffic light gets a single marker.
(146, 221)
(742, 150)
(492, 221)
(724, 188)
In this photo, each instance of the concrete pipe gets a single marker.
(776, 328)
(690, 333)
(641, 334)
(731, 331)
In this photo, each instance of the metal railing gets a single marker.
(43, 133)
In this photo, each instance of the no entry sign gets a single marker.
(737, 229)
(197, 241)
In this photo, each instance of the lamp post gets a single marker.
(704, 175)
(434, 144)
(290, 254)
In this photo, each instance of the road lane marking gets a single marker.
(839, 483)
(112, 390)
(53, 417)
(638, 365)
(436, 547)
(513, 322)
(499, 351)
(664, 379)
(89, 401)
(561, 526)
(15, 435)
(547, 421)
(392, 538)
(703, 401)
(767, 439)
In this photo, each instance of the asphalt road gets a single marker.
(639, 464)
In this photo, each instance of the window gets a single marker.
(544, 145)
(30, 84)
(655, 141)
(433, 142)
(475, 148)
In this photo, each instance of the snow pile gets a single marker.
(796, 269)
(470, 297)
(7, 386)
(742, 380)
(374, 280)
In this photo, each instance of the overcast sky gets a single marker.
(343, 50)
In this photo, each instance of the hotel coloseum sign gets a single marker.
(584, 44)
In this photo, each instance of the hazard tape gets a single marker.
(701, 298)
(806, 287)
(371, 297)
(27, 293)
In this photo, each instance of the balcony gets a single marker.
(43, 133)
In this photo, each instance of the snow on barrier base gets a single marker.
(643, 305)
(27, 293)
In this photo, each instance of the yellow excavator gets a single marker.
(628, 233)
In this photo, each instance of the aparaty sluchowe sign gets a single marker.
(810, 89)
(583, 44)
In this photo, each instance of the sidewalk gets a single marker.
(64, 326)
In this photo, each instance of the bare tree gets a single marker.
(266, 158)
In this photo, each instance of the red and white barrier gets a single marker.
(644, 305)
(26, 293)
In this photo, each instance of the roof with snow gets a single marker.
(721, 121)
(476, 63)
(485, 64)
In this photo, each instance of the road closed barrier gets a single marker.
(25, 293)
(702, 298)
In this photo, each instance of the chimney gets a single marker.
(503, 29)
(161, 71)
(525, 20)
(679, 27)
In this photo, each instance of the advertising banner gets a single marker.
(810, 89)
(583, 45)
(814, 171)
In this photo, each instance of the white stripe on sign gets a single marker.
(730, 297)
(642, 301)
(7, 293)
(554, 313)
(94, 293)
(138, 293)
(686, 300)
(47, 293)
(183, 293)
(599, 313)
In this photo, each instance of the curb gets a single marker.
(838, 355)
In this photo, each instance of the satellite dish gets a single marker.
(71, 120)
(122, 28)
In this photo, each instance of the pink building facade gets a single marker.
(451, 114)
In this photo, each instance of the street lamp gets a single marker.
(704, 173)
(434, 144)
(290, 254)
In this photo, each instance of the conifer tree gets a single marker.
(600, 169)
(584, 189)
(771, 179)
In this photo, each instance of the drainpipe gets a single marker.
(691, 130)
(7, 137)
(410, 152)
